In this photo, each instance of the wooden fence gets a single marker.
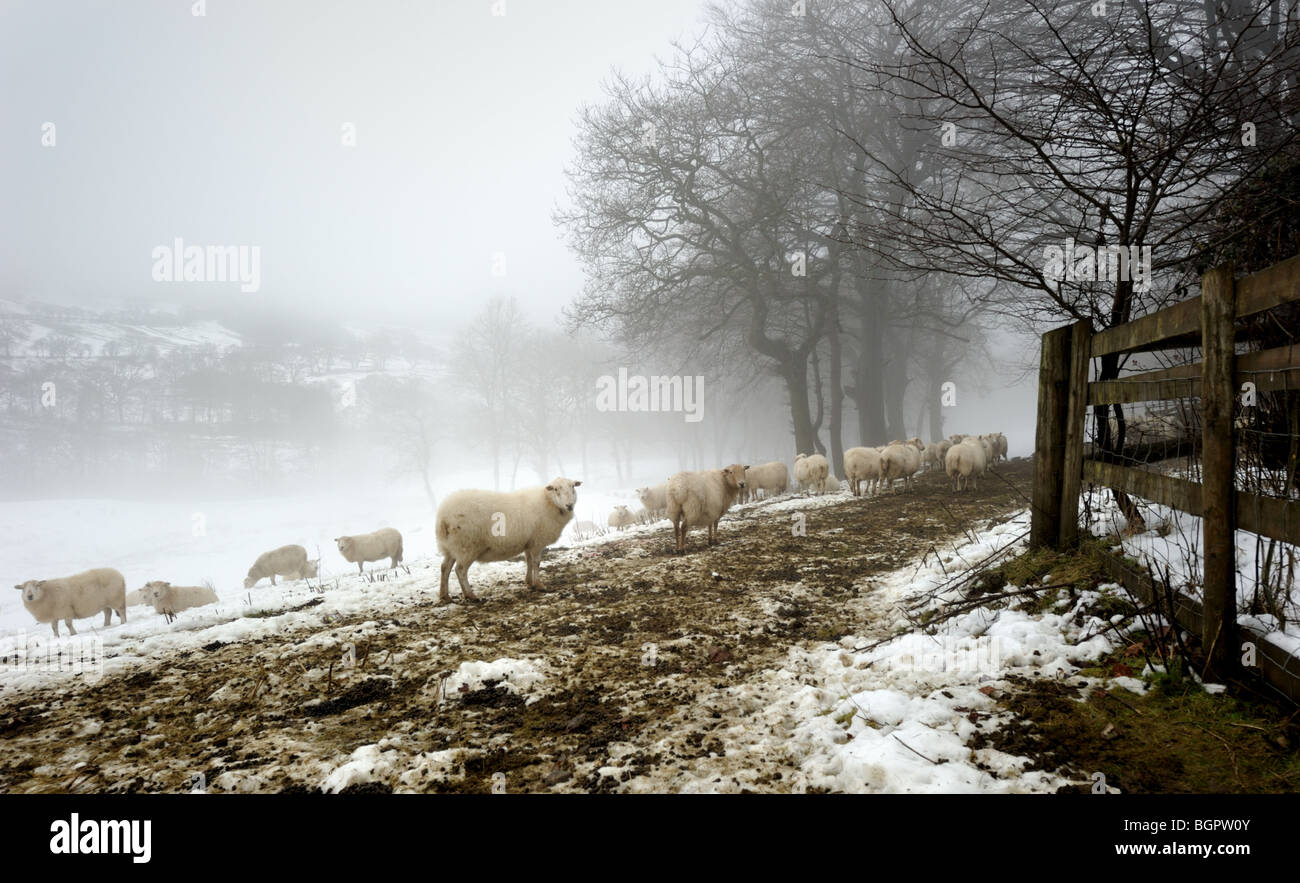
(1065, 394)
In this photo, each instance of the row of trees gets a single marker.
(847, 195)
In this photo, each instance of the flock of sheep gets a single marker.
(480, 525)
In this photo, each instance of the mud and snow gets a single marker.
(786, 658)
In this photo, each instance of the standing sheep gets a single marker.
(965, 463)
(383, 543)
(810, 471)
(862, 464)
(699, 499)
(289, 562)
(621, 517)
(901, 460)
(76, 597)
(170, 600)
(655, 499)
(478, 525)
(771, 478)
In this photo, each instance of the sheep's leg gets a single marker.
(444, 594)
(121, 614)
(55, 625)
(108, 615)
(462, 575)
(534, 577)
(273, 579)
(361, 568)
(68, 623)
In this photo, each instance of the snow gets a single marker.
(898, 716)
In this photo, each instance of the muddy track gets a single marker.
(640, 650)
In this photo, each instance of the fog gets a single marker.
(409, 184)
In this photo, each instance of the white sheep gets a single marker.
(965, 463)
(831, 485)
(289, 562)
(810, 471)
(475, 525)
(999, 446)
(170, 600)
(900, 460)
(699, 499)
(862, 464)
(621, 517)
(932, 457)
(76, 597)
(654, 499)
(771, 478)
(383, 543)
(136, 598)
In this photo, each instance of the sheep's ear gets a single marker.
(576, 483)
(19, 588)
(550, 487)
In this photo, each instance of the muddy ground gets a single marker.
(280, 714)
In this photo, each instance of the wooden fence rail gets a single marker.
(1065, 393)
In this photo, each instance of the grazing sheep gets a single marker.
(655, 499)
(771, 478)
(383, 543)
(831, 485)
(170, 600)
(136, 598)
(621, 518)
(476, 525)
(699, 499)
(862, 464)
(999, 446)
(965, 463)
(289, 562)
(810, 471)
(76, 597)
(901, 460)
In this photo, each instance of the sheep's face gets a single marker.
(562, 495)
(33, 590)
(154, 591)
(734, 475)
(344, 544)
(250, 581)
(310, 569)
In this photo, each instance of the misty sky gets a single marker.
(227, 130)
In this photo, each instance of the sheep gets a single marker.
(383, 543)
(901, 460)
(136, 598)
(699, 499)
(771, 478)
(75, 597)
(932, 456)
(476, 525)
(810, 471)
(170, 600)
(289, 562)
(654, 499)
(831, 485)
(621, 518)
(965, 463)
(999, 446)
(862, 464)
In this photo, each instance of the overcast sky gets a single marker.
(227, 130)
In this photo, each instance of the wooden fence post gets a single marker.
(1075, 414)
(1049, 438)
(1218, 462)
